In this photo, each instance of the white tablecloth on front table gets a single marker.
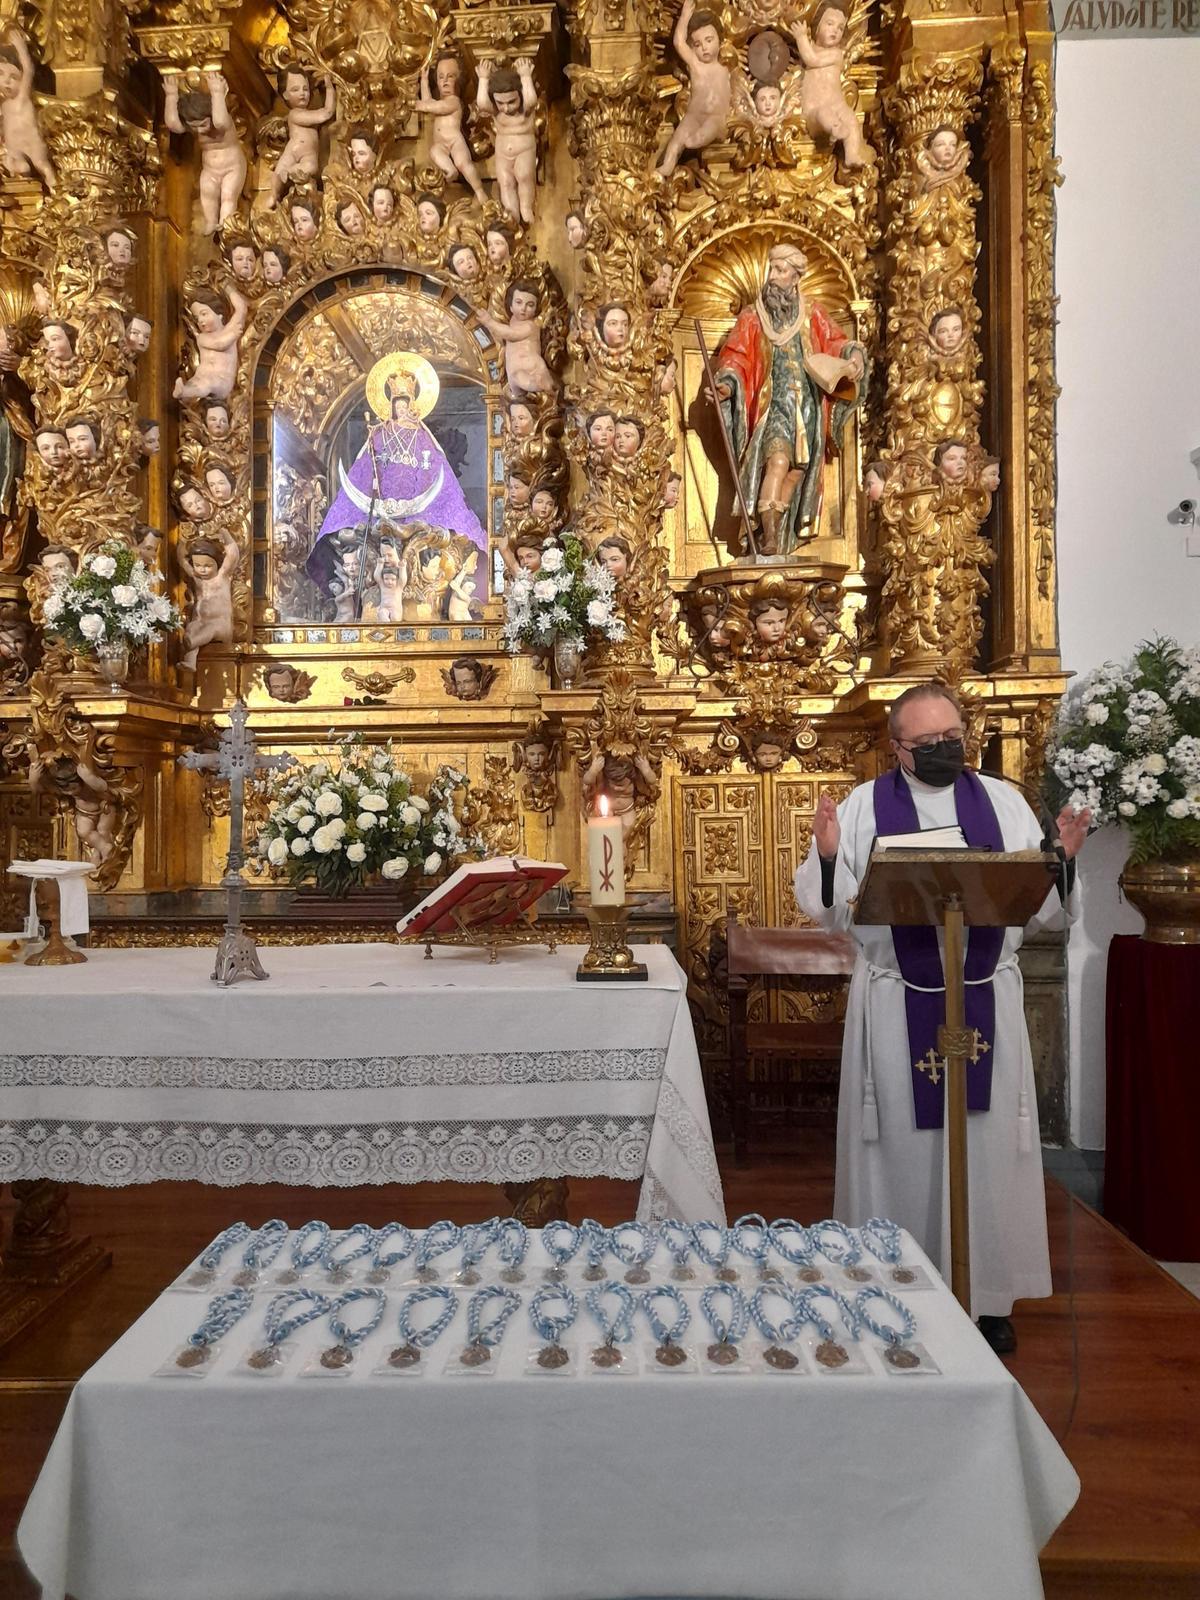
(355, 1064)
(513, 1487)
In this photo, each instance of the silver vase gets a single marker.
(568, 654)
(112, 662)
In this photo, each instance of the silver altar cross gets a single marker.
(235, 759)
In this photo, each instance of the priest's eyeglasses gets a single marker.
(930, 741)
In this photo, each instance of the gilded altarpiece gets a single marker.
(344, 316)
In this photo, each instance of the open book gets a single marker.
(482, 894)
(949, 838)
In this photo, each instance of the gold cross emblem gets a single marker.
(932, 1065)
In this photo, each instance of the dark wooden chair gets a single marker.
(758, 954)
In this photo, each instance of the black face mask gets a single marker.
(939, 764)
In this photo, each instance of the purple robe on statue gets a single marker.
(400, 475)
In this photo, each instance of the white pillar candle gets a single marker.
(606, 857)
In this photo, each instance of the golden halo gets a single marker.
(390, 366)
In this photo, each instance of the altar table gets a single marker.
(355, 1064)
(518, 1487)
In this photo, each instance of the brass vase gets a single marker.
(1167, 893)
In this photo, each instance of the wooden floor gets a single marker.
(1131, 1427)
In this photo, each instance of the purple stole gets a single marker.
(920, 960)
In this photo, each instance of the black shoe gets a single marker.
(999, 1333)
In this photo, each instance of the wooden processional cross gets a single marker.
(235, 759)
(965, 1042)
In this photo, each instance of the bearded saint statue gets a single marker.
(787, 378)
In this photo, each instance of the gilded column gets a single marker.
(936, 496)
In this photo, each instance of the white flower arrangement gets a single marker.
(340, 823)
(110, 600)
(1127, 745)
(570, 594)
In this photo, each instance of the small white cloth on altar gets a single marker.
(71, 877)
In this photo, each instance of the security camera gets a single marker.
(1188, 507)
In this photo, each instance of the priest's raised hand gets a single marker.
(1072, 828)
(826, 829)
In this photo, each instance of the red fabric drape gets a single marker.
(1151, 1169)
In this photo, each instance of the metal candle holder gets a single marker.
(609, 959)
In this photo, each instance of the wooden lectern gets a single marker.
(959, 889)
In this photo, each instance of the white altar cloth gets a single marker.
(511, 1487)
(355, 1064)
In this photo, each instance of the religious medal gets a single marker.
(475, 1239)
(809, 1275)
(555, 1275)
(483, 1336)
(779, 1358)
(435, 1241)
(404, 1355)
(637, 1275)
(752, 1237)
(858, 1274)
(221, 1315)
(351, 1246)
(414, 1340)
(906, 1360)
(894, 1338)
(723, 1354)
(551, 1325)
(560, 1241)
(682, 1273)
(670, 1355)
(308, 1247)
(597, 1247)
(634, 1244)
(339, 1355)
(668, 1351)
(425, 1275)
(210, 1260)
(288, 1312)
(260, 1360)
(770, 1275)
(339, 1275)
(288, 1275)
(882, 1239)
(246, 1278)
(726, 1274)
(728, 1330)
(469, 1277)
(552, 1356)
(261, 1251)
(383, 1259)
(903, 1275)
(594, 1274)
(831, 1354)
(379, 1275)
(836, 1243)
(512, 1275)
(616, 1327)
(512, 1242)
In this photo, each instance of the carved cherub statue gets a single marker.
(209, 571)
(822, 99)
(219, 325)
(301, 155)
(942, 158)
(628, 780)
(391, 577)
(77, 785)
(448, 147)
(697, 39)
(25, 150)
(537, 755)
(16, 637)
(222, 159)
(459, 606)
(521, 335)
(769, 618)
(509, 97)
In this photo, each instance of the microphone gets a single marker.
(1050, 839)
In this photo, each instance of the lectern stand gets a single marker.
(959, 889)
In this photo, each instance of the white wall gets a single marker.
(1129, 418)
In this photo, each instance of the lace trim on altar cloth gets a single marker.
(674, 1116)
(362, 1072)
(111, 1155)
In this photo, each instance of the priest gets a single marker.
(891, 1146)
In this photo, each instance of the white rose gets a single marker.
(160, 608)
(1178, 809)
(597, 613)
(433, 862)
(336, 827)
(325, 841)
(356, 853)
(351, 779)
(319, 770)
(1096, 712)
(277, 852)
(409, 816)
(91, 625)
(1155, 764)
(301, 847)
(373, 802)
(307, 824)
(53, 607)
(380, 760)
(292, 814)
(125, 594)
(103, 566)
(328, 804)
(1127, 808)
(552, 559)
(365, 820)
(395, 868)
(545, 589)
(419, 801)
